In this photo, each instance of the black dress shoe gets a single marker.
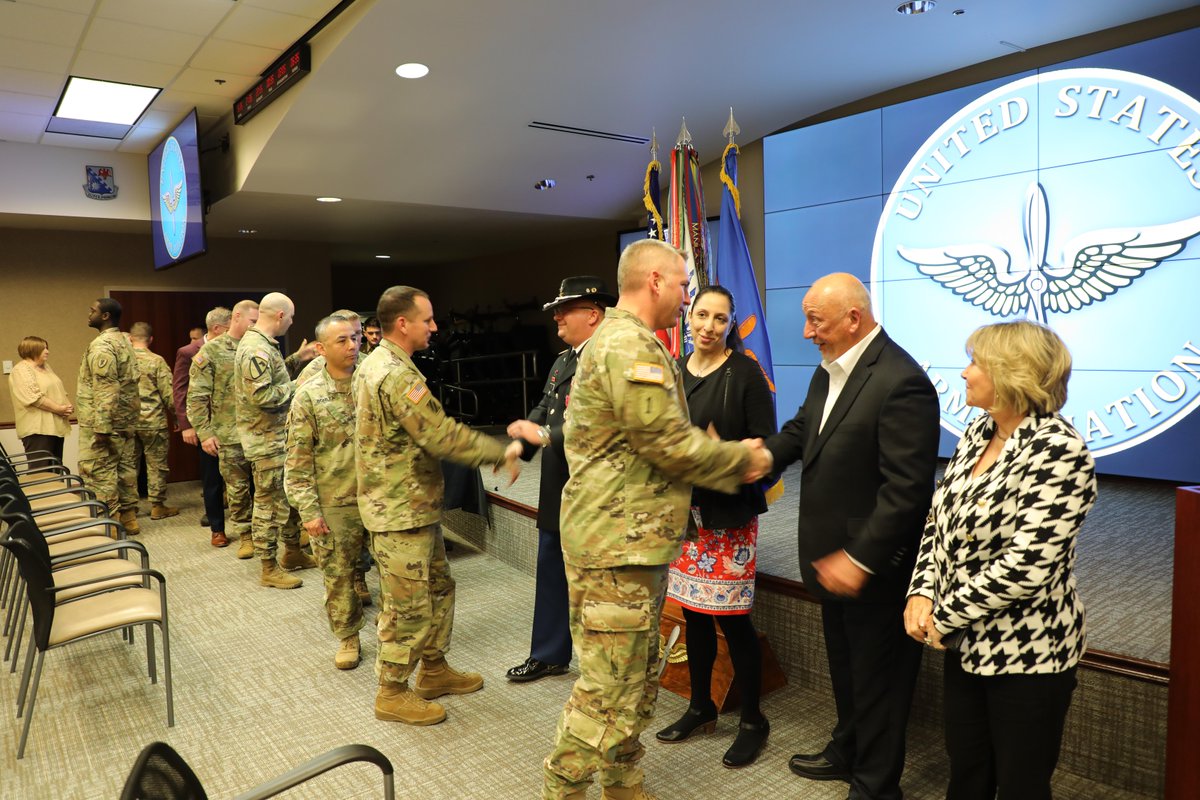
(816, 767)
(685, 726)
(533, 669)
(749, 742)
(204, 522)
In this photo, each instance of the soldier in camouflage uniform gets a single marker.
(320, 480)
(402, 433)
(211, 410)
(633, 457)
(263, 390)
(106, 405)
(151, 432)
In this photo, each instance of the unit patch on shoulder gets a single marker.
(200, 359)
(417, 393)
(645, 372)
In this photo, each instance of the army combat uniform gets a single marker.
(402, 433)
(156, 402)
(633, 457)
(320, 481)
(263, 392)
(106, 405)
(211, 409)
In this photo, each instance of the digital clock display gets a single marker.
(293, 66)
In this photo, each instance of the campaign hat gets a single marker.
(582, 287)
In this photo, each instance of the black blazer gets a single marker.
(869, 474)
(739, 406)
(549, 412)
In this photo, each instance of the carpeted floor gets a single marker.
(256, 693)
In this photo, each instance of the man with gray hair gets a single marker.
(263, 393)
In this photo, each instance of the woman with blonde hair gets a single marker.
(39, 400)
(994, 584)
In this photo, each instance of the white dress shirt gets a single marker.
(839, 371)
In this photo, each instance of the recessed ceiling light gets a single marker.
(545, 183)
(916, 7)
(382, 256)
(958, 12)
(247, 231)
(104, 101)
(329, 199)
(412, 70)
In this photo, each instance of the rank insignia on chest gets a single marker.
(645, 372)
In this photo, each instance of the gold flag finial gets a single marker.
(653, 145)
(731, 127)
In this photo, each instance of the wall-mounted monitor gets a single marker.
(1068, 194)
(176, 196)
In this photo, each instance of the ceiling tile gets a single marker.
(186, 16)
(76, 6)
(48, 84)
(81, 142)
(107, 67)
(48, 25)
(241, 59)
(258, 26)
(21, 127)
(27, 103)
(135, 41)
(203, 81)
(181, 102)
(139, 141)
(34, 56)
(313, 9)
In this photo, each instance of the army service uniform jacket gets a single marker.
(210, 405)
(263, 391)
(401, 433)
(154, 391)
(106, 393)
(549, 412)
(319, 470)
(633, 453)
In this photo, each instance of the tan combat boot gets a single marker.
(129, 521)
(360, 589)
(626, 793)
(159, 511)
(275, 578)
(246, 546)
(293, 558)
(436, 678)
(398, 703)
(348, 654)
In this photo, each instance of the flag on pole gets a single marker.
(652, 194)
(687, 227)
(736, 273)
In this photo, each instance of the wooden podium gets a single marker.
(724, 691)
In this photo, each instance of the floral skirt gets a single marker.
(715, 573)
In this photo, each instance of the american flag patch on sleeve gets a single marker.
(415, 394)
(646, 372)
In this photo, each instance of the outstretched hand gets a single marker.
(525, 430)
(760, 460)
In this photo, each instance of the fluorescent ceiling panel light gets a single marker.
(104, 101)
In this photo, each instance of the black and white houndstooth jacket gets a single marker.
(998, 553)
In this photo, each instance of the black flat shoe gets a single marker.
(749, 742)
(686, 725)
(533, 669)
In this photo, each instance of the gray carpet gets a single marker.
(256, 694)
(1124, 568)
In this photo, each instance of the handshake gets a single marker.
(761, 461)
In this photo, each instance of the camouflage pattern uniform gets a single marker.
(401, 433)
(263, 392)
(151, 432)
(106, 402)
(320, 481)
(211, 410)
(633, 456)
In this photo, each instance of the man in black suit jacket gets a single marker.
(212, 485)
(578, 310)
(867, 435)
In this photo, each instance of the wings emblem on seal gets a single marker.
(1095, 264)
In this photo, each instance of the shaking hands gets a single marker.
(761, 460)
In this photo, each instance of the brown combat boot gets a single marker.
(436, 678)
(398, 703)
(129, 521)
(626, 793)
(246, 546)
(348, 654)
(294, 558)
(275, 578)
(159, 511)
(360, 589)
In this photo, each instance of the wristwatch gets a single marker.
(544, 435)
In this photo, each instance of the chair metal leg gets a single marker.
(21, 691)
(166, 637)
(150, 665)
(32, 699)
(22, 615)
(13, 602)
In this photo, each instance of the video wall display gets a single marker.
(1068, 195)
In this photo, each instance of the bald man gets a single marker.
(868, 436)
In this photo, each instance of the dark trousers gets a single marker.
(1003, 732)
(551, 640)
(40, 441)
(213, 488)
(873, 666)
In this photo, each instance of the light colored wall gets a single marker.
(48, 279)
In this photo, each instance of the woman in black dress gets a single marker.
(713, 578)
